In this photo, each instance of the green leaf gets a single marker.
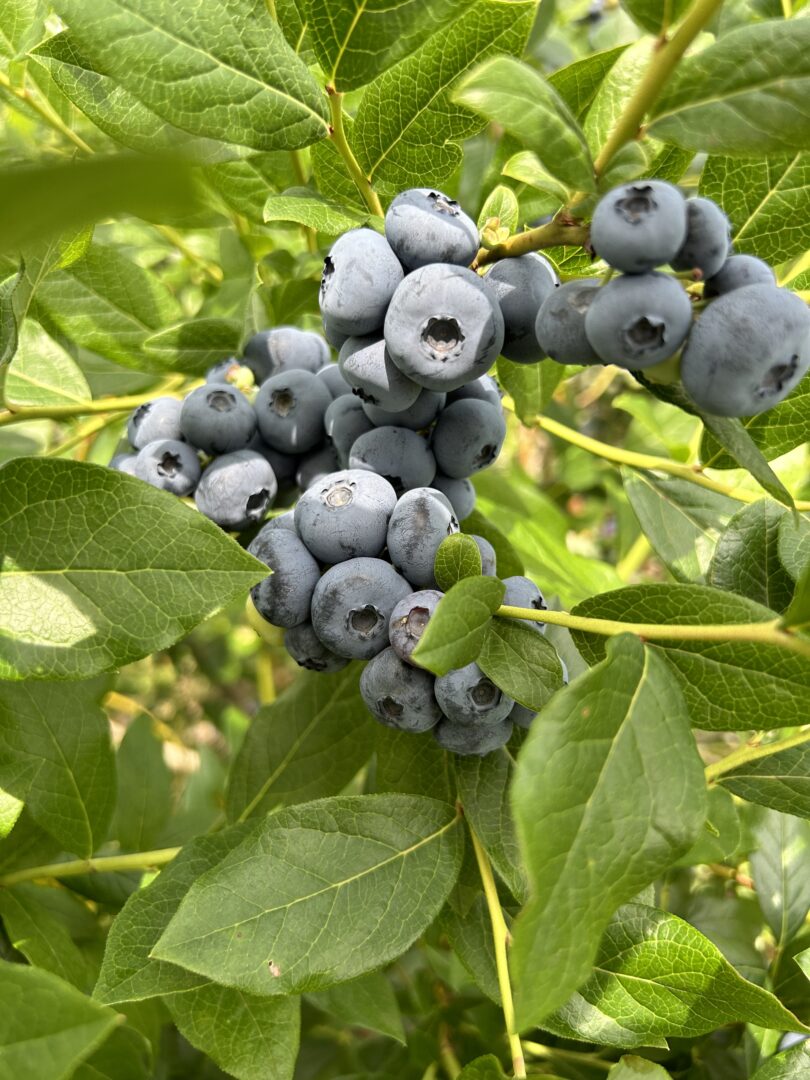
(797, 615)
(17, 293)
(617, 86)
(578, 83)
(632, 1067)
(734, 437)
(767, 200)
(519, 99)
(790, 1065)
(42, 373)
(195, 345)
(89, 190)
(42, 938)
(125, 1055)
(408, 129)
(780, 780)
(307, 744)
(531, 386)
(458, 626)
(521, 662)
(20, 24)
(747, 558)
(526, 167)
(47, 1027)
(250, 1037)
(356, 40)
(243, 185)
(56, 755)
(637, 803)
(129, 972)
(144, 788)
(307, 208)
(483, 789)
(483, 1068)
(10, 810)
(108, 305)
(744, 95)
(501, 204)
(413, 766)
(470, 937)
(682, 521)
(794, 544)
(75, 567)
(508, 560)
(719, 838)
(320, 893)
(367, 1002)
(656, 977)
(728, 685)
(458, 556)
(780, 867)
(220, 72)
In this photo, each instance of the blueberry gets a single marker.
(736, 271)
(409, 620)
(316, 466)
(639, 226)
(443, 327)
(284, 598)
(747, 351)
(472, 739)
(335, 383)
(560, 325)
(217, 419)
(157, 419)
(308, 651)
(352, 605)
(124, 463)
(484, 388)
(521, 285)
(398, 454)
(467, 696)
(285, 348)
(521, 716)
(422, 518)
(236, 490)
(360, 274)
(638, 320)
(489, 560)
(417, 417)
(461, 493)
(425, 226)
(226, 371)
(170, 465)
(344, 422)
(290, 408)
(468, 437)
(373, 375)
(285, 520)
(398, 695)
(284, 466)
(345, 515)
(522, 592)
(335, 337)
(707, 238)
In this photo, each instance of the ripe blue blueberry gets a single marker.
(217, 419)
(284, 466)
(560, 325)
(345, 515)
(315, 466)
(290, 408)
(398, 695)
(170, 465)
(398, 454)
(522, 592)
(344, 422)
(638, 320)
(747, 351)
(708, 235)
(409, 621)
(352, 604)
(417, 417)
(360, 274)
(521, 285)
(285, 520)
(639, 226)
(124, 463)
(335, 383)
(285, 348)
(489, 561)
(373, 375)
(521, 716)
(460, 492)
(443, 327)
(467, 696)
(308, 651)
(284, 598)
(472, 739)
(157, 419)
(468, 437)
(424, 226)
(485, 388)
(736, 271)
(421, 519)
(236, 490)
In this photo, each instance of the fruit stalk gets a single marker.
(338, 136)
(138, 860)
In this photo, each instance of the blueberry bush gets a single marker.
(404, 539)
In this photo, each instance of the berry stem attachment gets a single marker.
(500, 934)
(746, 754)
(338, 136)
(138, 860)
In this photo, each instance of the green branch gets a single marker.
(91, 408)
(556, 232)
(107, 864)
(759, 633)
(338, 136)
(746, 754)
(501, 937)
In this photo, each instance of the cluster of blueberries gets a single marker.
(744, 352)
